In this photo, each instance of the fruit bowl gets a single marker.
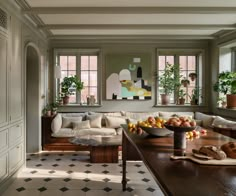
(180, 129)
(156, 131)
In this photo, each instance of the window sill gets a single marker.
(226, 109)
(80, 105)
(180, 106)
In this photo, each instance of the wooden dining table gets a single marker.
(179, 177)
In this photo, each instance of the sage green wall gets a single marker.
(132, 47)
(215, 45)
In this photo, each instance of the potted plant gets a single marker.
(185, 82)
(222, 101)
(226, 84)
(181, 96)
(69, 86)
(47, 110)
(169, 80)
(54, 107)
(192, 76)
(194, 97)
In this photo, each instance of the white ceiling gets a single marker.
(132, 17)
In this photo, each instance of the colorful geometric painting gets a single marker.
(128, 76)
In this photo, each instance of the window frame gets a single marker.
(199, 53)
(78, 52)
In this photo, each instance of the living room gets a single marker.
(42, 42)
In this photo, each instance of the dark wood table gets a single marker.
(179, 177)
(103, 149)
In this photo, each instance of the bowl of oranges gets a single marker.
(154, 126)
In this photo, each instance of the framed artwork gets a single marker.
(128, 76)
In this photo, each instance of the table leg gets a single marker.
(124, 158)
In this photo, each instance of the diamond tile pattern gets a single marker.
(71, 173)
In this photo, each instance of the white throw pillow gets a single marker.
(114, 122)
(222, 122)
(81, 125)
(140, 115)
(67, 121)
(206, 119)
(56, 123)
(95, 121)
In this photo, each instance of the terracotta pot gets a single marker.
(48, 113)
(192, 77)
(231, 101)
(165, 99)
(181, 101)
(194, 102)
(66, 100)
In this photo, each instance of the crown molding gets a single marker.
(130, 10)
(137, 26)
(31, 17)
(130, 37)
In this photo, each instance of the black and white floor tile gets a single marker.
(71, 174)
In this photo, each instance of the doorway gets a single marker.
(33, 113)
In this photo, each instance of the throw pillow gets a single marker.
(140, 115)
(206, 119)
(67, 121)
(56, 123)
(114, 122)
(81, 125)
(222, 122)
(95, 121)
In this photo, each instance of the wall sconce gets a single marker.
(57, 71)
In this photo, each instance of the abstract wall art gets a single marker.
(124, 81)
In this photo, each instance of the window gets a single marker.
(83, 63)
(189, 63)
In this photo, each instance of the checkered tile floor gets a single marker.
(71, 174)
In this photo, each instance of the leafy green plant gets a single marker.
(169, 80)
(181, 93)
(194, 97)
(46, 109)
(54, 106)
(70, 85)
(226, 83)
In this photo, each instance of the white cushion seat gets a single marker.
(95, 131)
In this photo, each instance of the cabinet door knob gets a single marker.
(17, 125)
(18, 147)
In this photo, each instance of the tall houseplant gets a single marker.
(169, 81)
(69, 86)
(226, 84)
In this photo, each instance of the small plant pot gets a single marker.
(165, 99)
(54, 112)
(194, 102)
(48, 113)
(181, 101)
(66, 100)
(231, 101)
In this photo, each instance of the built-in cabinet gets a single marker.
(12, 131)
(3, 80)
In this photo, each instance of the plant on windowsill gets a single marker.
(194, 97)
(192, 76)
(54, 106)
(47, 110)
(69, 86)
(185, 82)
(169, 81)
(181, 99)
(226, 84)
